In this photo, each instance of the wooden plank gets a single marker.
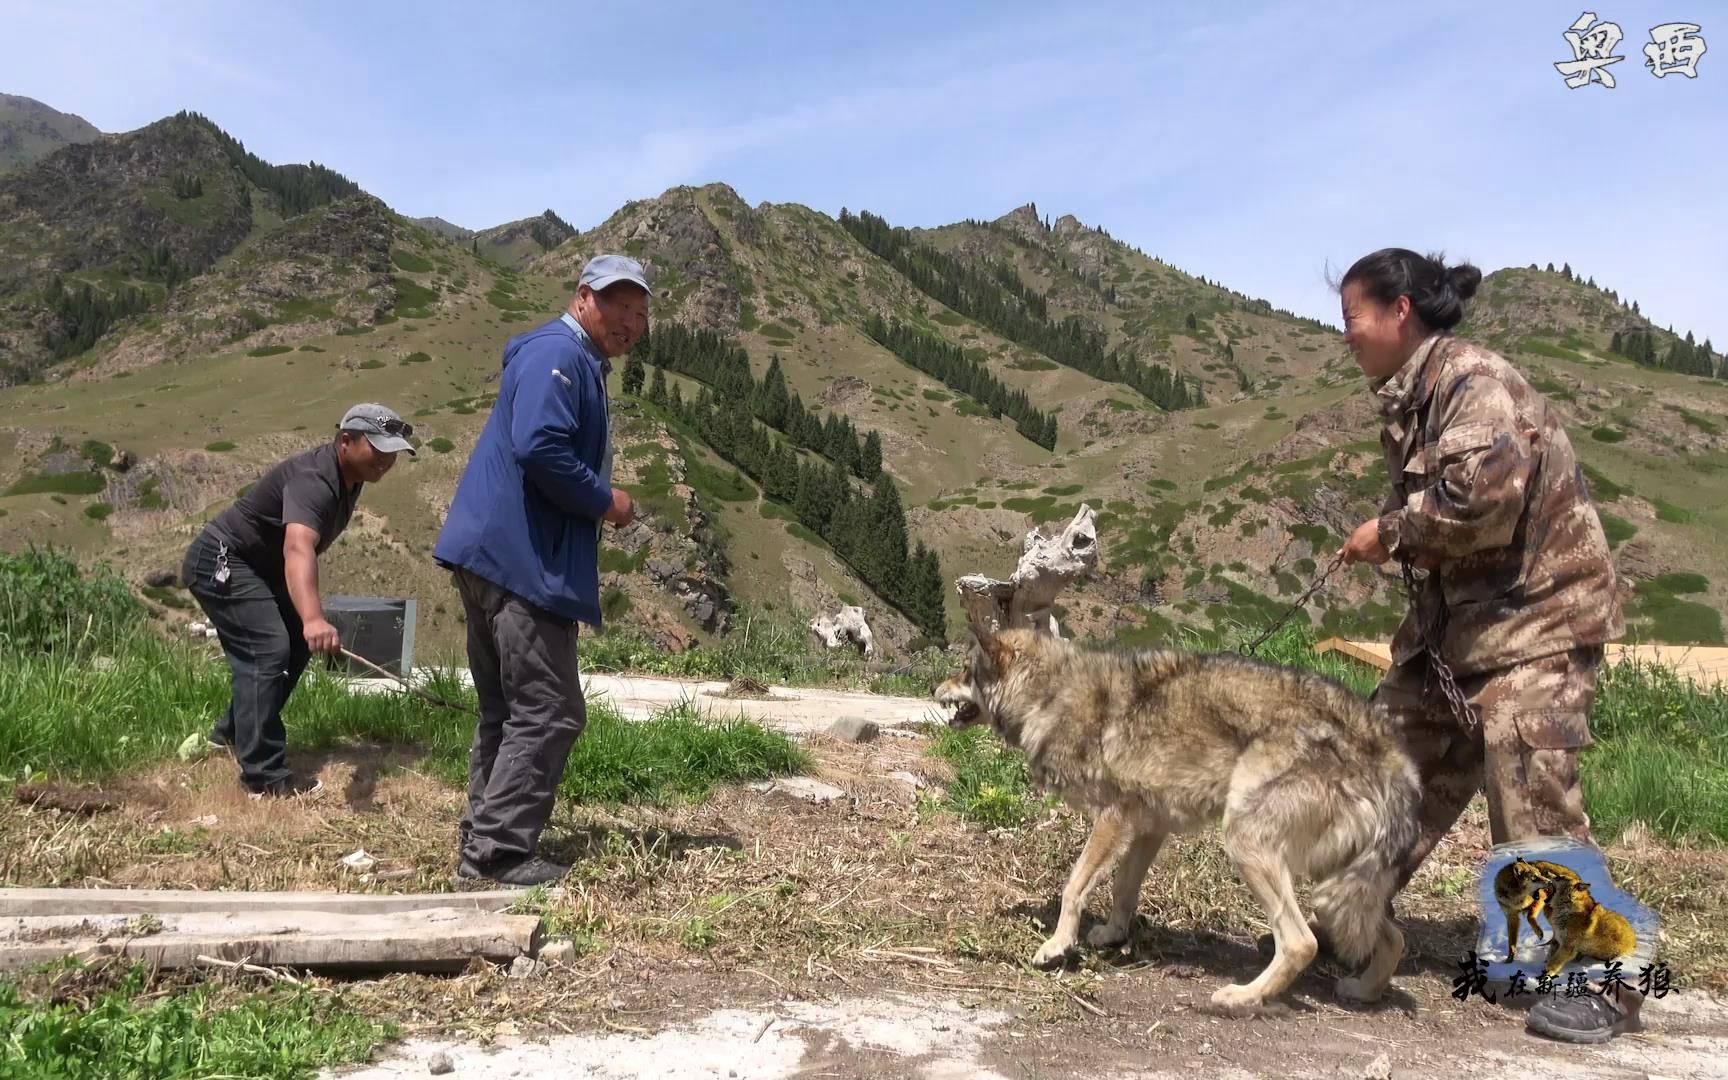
(1366, 651)
(1705, 665)
(437, 939)
(23, 903)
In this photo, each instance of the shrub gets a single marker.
(48, 604)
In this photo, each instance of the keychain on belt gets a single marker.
(221, 575)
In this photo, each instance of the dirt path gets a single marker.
(942, 1037)
(789, 708)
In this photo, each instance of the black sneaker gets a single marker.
(530, 871)
(1586, 1018)
(292, 788)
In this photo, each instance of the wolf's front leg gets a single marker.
(1130, 874)
(1103, 848)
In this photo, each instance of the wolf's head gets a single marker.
(994, 669)
(1573, 896)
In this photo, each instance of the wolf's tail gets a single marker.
(1353, 904)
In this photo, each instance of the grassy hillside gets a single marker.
(30, 130)
(811, 383)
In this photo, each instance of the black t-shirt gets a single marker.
(305, 489)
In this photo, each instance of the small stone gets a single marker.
(526, 967)
(440, 1064)
(854, 729)
(1379, 1069)
(102, 663)
(161, 579)
(905, 777)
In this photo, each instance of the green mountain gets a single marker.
(30, 130)
(827, 410)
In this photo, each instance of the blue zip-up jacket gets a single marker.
(526, 515)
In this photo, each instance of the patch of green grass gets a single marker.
(416, 358)
(281, 1033)
(310, 348)
(1674, 515)
(1602, 489)
(1681, 582)
(270, 350)
(440, 444)
(1607, 434)
(1063, 490)
(98, 511)
(409, 261)
(371, 364)
(1618, 529)
(1539, 347)
(1695, 420)
(1660, 754)
(991, 785)
(69, 483)
(615, 560)
(219, 446)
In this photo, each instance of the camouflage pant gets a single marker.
(1534, 718)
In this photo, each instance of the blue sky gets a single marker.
(1257, 144)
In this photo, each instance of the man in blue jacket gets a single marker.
(522, 542)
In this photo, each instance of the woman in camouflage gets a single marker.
(1494, 667)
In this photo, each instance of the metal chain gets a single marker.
(1337, 561)
(1431, 636)
(1461, 710)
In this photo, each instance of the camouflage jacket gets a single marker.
(1486, 486)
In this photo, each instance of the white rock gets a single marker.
(854, 729)
(359, 860)
(845, 627)
(800, 787)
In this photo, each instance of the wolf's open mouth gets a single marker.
(964, 713)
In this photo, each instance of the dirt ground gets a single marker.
(874, 935)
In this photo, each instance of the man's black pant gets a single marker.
(523, 659)
(266, 645)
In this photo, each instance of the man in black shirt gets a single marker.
(254, 571)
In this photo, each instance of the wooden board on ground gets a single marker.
(437, 939)
(1704, 664)
(22, 903)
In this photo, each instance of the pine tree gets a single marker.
(634, 372)
(657, 389)
(870, 457)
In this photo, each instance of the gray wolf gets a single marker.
(1304, 777)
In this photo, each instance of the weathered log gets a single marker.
(1047, 564)
(436, 939)
(21, 903)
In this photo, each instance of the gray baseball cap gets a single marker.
(384, 429)
(604, 270)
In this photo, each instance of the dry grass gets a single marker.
(748, 896)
